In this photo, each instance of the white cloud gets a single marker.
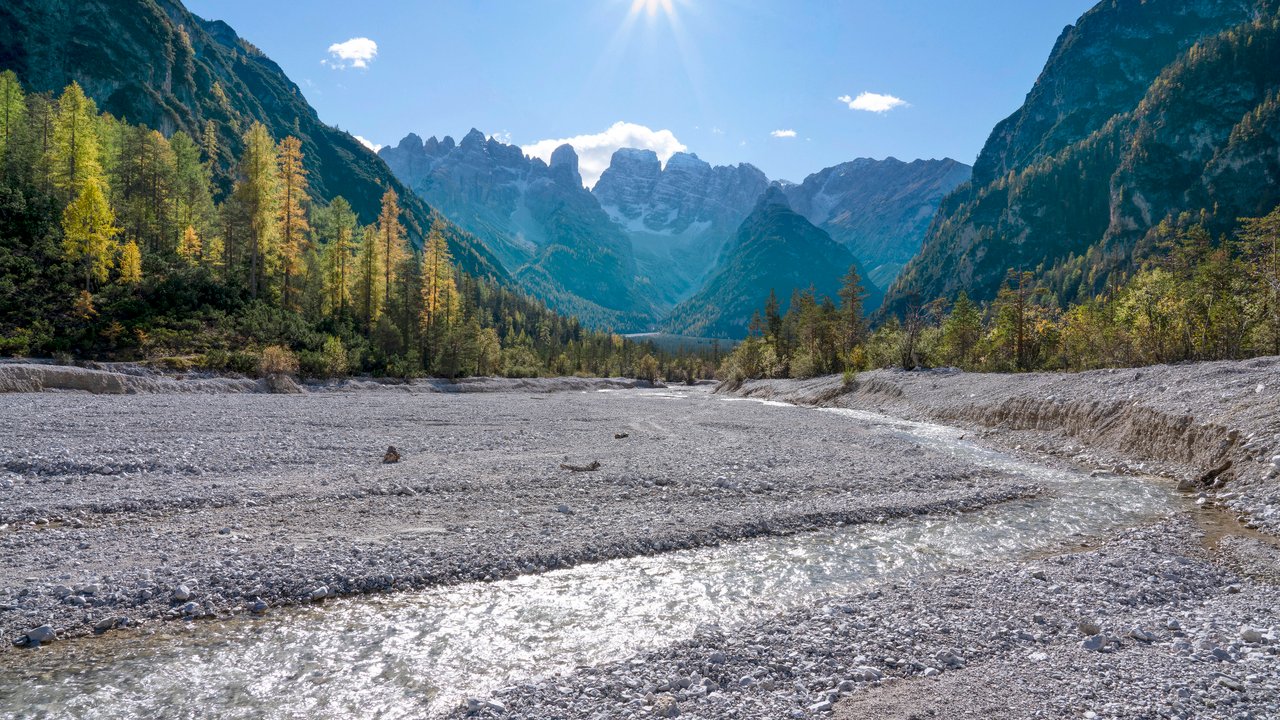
(368, 144)
(595, 151)
(873, 102)
(783, 133)
(716, 131)
(502, 136)
(356, 52)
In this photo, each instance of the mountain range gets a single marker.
(654, 236)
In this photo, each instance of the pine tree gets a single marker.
(439, 290)
(294, 227)
(369, 295)
(339, 225)
(89, 232)
(209, 145)
(853, 323)
(257, 194)
(189, 248)
(73, 152)
(961, 331)
(391, 237)
(192, 186)
(130, 264)
(13, 108)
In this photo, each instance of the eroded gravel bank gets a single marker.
(1215, 426)
(134, 508)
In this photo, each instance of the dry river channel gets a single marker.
(248, 557)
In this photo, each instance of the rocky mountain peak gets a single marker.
(564, 165)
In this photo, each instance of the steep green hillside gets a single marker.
(775, 249)
(154, 63)
(1144, 111)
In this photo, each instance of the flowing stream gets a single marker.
(411, 654)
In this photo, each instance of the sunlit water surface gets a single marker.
(411, 654)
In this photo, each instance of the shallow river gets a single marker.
(408, 654)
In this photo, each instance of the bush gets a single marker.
(329, 362)
(277, 359)
(647, 369)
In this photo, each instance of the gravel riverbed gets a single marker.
(120, 510)
(135, 509)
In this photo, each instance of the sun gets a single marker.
(652, 7)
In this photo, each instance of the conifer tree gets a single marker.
(340, 226)
(130, 264)
(89, 232)
(73, 150)
(13, 109)
(391, 237)
(189, 247)
(294, 227)
(961, 331)
(439, 290)
(257, 195)
(369, 295)
(192, 186)
(851, 313)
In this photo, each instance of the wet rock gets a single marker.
(39, 635)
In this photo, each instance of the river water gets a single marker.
(414, 654)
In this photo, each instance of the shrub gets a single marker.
(329, 362)
(647, 368)
(277, 359)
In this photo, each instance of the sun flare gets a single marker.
(652, 7)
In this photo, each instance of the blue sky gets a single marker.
(731, 80)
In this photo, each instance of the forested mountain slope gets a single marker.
(153, 63)
(1145, 110)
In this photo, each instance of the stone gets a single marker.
(717, 658)
(259, 606)
(319, 593)
(42, 634)
(1094, 643)
(105, 624)
(666, 707)
(190, 609)
(1250, 635)
(182, 593)
(1088, 627)
(1141, 635)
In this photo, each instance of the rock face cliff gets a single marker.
(879, 209)
(775, 249)
(648, 237)
(1145, 109)
(155, 63)
(545, 227)
(680, 216)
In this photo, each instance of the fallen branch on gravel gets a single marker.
(595, 465)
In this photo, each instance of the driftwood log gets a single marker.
(595, 465)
